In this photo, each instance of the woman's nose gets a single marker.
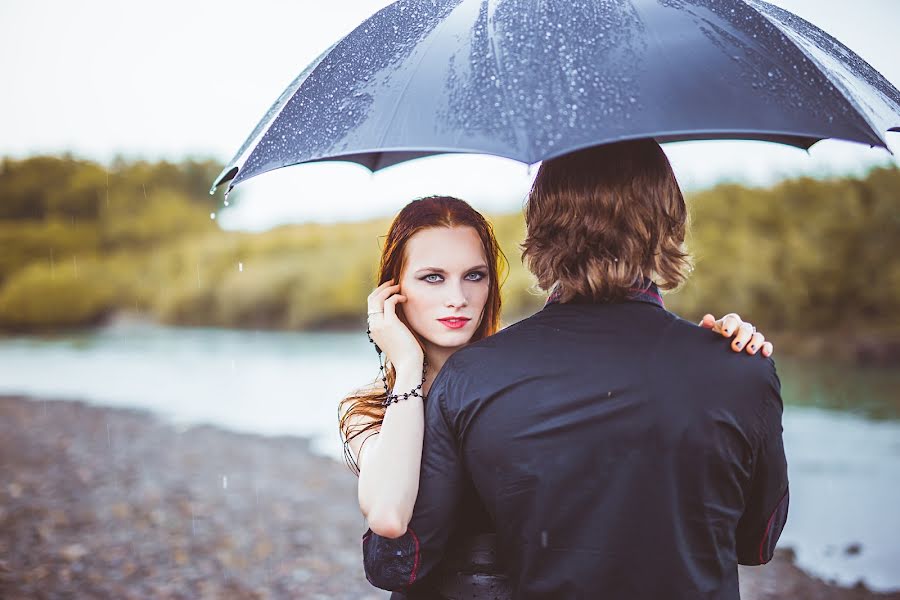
(457, 297)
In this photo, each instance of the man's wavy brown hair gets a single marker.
(601, 219)
(362, 413)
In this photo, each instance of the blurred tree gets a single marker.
(804, 256)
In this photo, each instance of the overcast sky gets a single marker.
(171, 79)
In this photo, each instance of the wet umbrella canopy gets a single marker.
(531, 80)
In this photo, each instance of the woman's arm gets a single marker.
(389, 470)
(389, 462)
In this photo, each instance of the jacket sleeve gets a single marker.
(396, 564)
(766, 500)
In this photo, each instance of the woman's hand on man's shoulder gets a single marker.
(746, 337)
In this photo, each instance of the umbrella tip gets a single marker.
(888, 148)
(225, 176)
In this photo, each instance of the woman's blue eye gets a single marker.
(435, 278)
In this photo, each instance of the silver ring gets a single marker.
(377, 312)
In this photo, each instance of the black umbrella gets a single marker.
(530, 80)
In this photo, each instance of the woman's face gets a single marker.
(446, 282)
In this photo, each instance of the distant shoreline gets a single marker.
(108, 502)
(859, 348)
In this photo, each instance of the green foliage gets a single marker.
(44, 296)
(49, 242)
(80, 243)
(293, 277)
(144, 224)
(39, 187)
(520, 294)
(46, 187)
(806, 255)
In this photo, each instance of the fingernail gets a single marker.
(738, 345)
(753, 346)
(727, 332)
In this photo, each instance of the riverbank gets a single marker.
(110, 503)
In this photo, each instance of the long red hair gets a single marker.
(363, 412)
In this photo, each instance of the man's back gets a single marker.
(621, 452)
(618, 449)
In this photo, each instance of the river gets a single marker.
(841, 424)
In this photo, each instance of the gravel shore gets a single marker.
(109, 503)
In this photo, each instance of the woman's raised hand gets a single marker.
(387, 330)
(745, 335)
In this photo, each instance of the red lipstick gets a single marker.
(454, 322)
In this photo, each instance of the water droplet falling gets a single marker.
(544, 540)
(224, 482)
(241, 267)
(212, 216)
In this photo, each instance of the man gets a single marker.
(618, 450)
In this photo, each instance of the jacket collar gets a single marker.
(647, 292)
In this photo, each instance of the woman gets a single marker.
(441, 264)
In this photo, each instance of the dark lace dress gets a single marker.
(470, 569)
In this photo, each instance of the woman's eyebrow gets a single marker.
(440, 270)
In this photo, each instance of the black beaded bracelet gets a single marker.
(392, 398)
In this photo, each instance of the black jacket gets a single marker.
(620, 451)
